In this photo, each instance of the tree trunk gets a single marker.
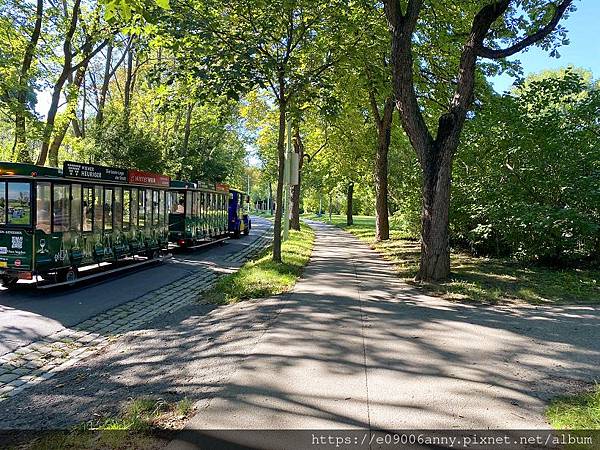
(186, 135)
(330, 205)
(60, 133)
(349, 198)
(299, 149)
(384, 130)
(435, 246)
(105, 83)
(83, 108)
(281, 167)
(66, 71)
(19, 147)
(127, 89)
(270, 198)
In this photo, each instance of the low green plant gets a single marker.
(576, 412)
(263, 277)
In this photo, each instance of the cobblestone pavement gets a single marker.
(253, 249)
(36, 362)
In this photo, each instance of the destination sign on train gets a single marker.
(156, 179)
(93, 172)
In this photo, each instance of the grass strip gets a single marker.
(487, 280)
(262, 277)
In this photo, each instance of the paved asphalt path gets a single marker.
(353, 347)
(27, 315)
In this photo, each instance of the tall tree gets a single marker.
(483, 37)
(280, 46)
(19, 148)
(87, 51)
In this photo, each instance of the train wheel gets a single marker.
(9, 282)
(69, 275)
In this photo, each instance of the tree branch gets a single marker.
(559, 11)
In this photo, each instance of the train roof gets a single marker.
(85, 171)
(28, 170)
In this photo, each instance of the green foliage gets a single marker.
(527, 177)
(263, 277)
(119, 145)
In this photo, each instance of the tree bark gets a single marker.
(270, 198)
(19, 149)
(299, 149)
(127, 90)
(62, 78)
(280, 169)
(435, 246)
(60, 133)
(349, 206)
(105, 83)
(384, 131)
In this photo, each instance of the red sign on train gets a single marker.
(138, 177)
(222, 187)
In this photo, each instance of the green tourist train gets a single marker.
(53, 222)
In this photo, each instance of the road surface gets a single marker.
(26, 315)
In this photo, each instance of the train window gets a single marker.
(108, 209)
(148, 208)
(18, 203)
(155, 208)
(141, 208)
(60, 208)
(162, 207)
(194, 204)
(2, 202)
(178, 202)
(76, 207)
(188, 205)
(88, 208)
(118, 210)
(43, 207)
(134, 207)
(98, 207)
(126, 208)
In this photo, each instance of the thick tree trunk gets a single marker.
(349, 206)
(19, 147)
(280, 170)
(435, 246)
(299, 149)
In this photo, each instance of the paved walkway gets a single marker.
(353, 347)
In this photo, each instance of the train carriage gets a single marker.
(53, 222)
(238, 221)
(198, 213)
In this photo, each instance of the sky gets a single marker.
(583, 51)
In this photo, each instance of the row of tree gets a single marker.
(89, 81)
(375, 92)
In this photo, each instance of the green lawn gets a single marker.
(577, 412)
(262, 277)
(482, 279)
